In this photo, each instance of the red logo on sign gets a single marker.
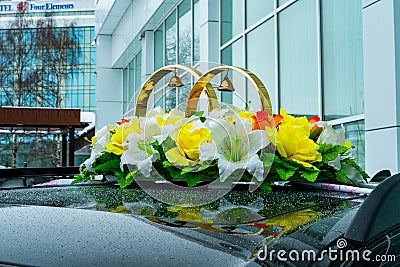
(21, 6)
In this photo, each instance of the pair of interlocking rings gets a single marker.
(155, 185)
(202, 85)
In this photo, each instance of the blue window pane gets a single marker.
(256, 9)
(185, 29)
(158, 48)
(262, 61)
(342, 58)
(298, 59)
(170, 39)
(232, 19)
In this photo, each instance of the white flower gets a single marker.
(235, 146)
(139, 151)
(101, 138)
(99, 141)
(331, 136)
(353, 174)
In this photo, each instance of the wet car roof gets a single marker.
(236, 207)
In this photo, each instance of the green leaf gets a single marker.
(342, 176)
(265, 187)
(84, 176)
(125, 180)
(109, 167)
(290, 164)
(330, 152)
(198, 113)
(285, 174)
(192, 180)
(310, 175)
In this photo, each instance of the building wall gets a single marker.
(382, 84)
(316, 57)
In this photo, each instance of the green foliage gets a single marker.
(125, 180)
(342, 176)
(84, 176)
(192, 175)
(310, 174)
(331, 152)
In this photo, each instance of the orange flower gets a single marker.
(262, 120)
(278, 119)
(315, 130)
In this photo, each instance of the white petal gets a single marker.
(257, 140)
(352, 174)
(132, 140)
(335, 163)
(100, 145)
(89, 162)
(176, 112)
(150, 129)
(133, 158)
(155, 112)
(221, 132)
(145, 166)
(165, 132)
(226, 168)
(331, 136)
(207, 151)
(197, 125)
(102, 132)
(256, 168)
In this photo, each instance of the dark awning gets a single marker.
(39, 117)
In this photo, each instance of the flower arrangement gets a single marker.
(225, 143)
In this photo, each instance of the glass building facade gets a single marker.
(308, 53)
(312, 55)
(78, 87)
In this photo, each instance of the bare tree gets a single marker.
(35, 60)
(59, 50)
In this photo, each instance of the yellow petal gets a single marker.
(348, 144)
(114, 148)
(175, 157)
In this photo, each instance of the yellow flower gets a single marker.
(170, 118)
(118, 138)
(188, 142)
(293, 142)
(246, 115)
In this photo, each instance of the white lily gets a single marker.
(99, 141)
(235, 146)
(139, 151)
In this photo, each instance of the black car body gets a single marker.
(292, 226)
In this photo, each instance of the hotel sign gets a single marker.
(35, 7)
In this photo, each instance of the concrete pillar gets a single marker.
(108, 84)
(381, 33)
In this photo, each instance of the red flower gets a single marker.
(122, 121)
